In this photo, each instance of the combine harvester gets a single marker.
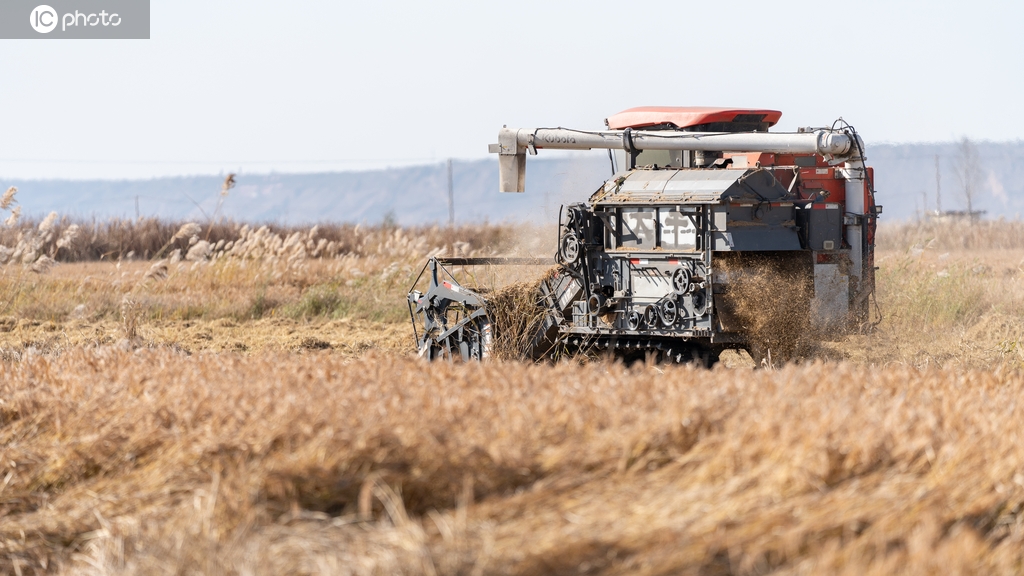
(653, 264)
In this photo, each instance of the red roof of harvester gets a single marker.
(684, 116)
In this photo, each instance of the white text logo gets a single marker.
(79, 19)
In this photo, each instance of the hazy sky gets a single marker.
(263, 86)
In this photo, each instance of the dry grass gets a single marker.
(150, 238)
(301, 275)
(159, 463)
(940, 306)
(944, 306)
(343, 336)
(274, 420)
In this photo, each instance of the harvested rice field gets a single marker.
(261, 410)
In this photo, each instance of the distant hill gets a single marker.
(904, 173)
(411, 195)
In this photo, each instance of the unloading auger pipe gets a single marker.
(816, 142)
(514, 143)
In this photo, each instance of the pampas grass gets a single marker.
(116, 239)
(8, 198)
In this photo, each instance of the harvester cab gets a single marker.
(712, 233)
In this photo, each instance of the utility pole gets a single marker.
(136, 206)
(968, 172)
(451, 196)
(938, 188)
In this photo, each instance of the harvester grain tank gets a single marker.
(707, 217)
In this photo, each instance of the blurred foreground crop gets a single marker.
(155, 462)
